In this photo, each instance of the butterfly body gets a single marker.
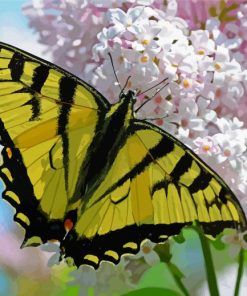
(112, 132)
(90, 175)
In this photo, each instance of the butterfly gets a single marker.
(89, 174)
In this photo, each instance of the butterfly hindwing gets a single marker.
(48, 118)
(155, 186)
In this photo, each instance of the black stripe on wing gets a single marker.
(67, 88)
(39, 78)
(205, 176)
(26, 204)
(16, 66)
(182, 166)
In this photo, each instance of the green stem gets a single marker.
(240, 271)
(211, 276)
(178, 280)
(90, 291)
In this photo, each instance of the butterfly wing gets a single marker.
(47, 122)
(155, 187)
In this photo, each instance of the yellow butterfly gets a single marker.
(89, 174)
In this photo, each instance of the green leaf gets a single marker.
(163, 250)
(152, 291)
(179, 238)
(218, 243)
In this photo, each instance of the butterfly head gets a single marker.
(129, 96)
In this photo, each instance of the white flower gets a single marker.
(172, 7)
(174, 61)
(236, 241)
(107, 4)
(231, 126)
(233, 34)
(204, 110)
(206, 146)
(102, 48)
(230, 148)
(201, 42)
(108, 279)
(52, 247)
(145, 39)
(213, 26)
(147, 252)
(189, 86)
(231, 140)
(224, 68)
(169, 35)
(129, 21)
(187, 119)
(145, 68)
(228, 95)
(117, 3)
(85, 277)
(142, 2)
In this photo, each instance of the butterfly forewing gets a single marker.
(48, 119)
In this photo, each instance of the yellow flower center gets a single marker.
(186, 83)
(206, 148)
(144, 59)
(145, 41)
(146, 249)
(201, 52)
(217, 66)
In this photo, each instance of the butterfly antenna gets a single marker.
(155, 118)
(122, 90)
(153, 86)
(114, 71)
(149, 99)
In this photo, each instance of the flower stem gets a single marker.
(240, 271)
(210, 271)
(177, 279)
